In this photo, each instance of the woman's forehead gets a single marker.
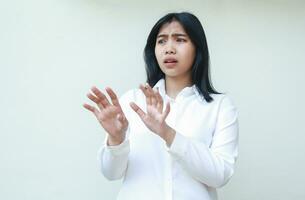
(171, 27)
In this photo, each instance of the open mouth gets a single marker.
(170, 64)
(170, 61)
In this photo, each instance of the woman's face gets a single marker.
(174, 51)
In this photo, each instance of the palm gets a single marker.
(155, 117)
(110, 116)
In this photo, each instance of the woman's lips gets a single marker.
(170, 64)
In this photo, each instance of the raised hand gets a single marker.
(110, 116)
(155, 117)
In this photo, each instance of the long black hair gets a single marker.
(200, 69)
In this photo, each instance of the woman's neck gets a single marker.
(174, 85)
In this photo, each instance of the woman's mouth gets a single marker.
(170, 62)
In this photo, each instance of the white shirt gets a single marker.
(200, 159)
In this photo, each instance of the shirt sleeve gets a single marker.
(113, 160)
(213, 165)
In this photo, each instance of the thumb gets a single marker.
(138, 110)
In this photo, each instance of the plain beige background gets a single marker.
(53, 51)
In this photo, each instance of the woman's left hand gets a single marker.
(155, 117)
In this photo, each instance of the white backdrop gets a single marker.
(53, 51)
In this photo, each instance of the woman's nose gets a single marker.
(170, 49)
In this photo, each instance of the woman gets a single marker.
(175, 137)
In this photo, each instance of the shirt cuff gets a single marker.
(178, 148)
(117, 150)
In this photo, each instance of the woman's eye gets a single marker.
(181, 40)
(160, 41)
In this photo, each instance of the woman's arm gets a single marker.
(113, 156)
(212, 165)
(113, 160)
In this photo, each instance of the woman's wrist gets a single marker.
(114, 141)
(168, 135)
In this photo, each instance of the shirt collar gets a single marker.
(187, 91)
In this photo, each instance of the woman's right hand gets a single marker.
(110, 116)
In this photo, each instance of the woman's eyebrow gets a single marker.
(174, 34)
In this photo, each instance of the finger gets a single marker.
(144, 90)
(150, 91)
(113, 97)
(154, 100)
(95, 100)
(159, 100)
(138, 110)
(151, 94)
(103, 99)
(91, 108)
(166, 111)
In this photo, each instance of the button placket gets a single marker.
(175, 120)
(169, 171)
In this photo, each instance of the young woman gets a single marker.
(174, 138)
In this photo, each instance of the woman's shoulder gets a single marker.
(223, 100)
